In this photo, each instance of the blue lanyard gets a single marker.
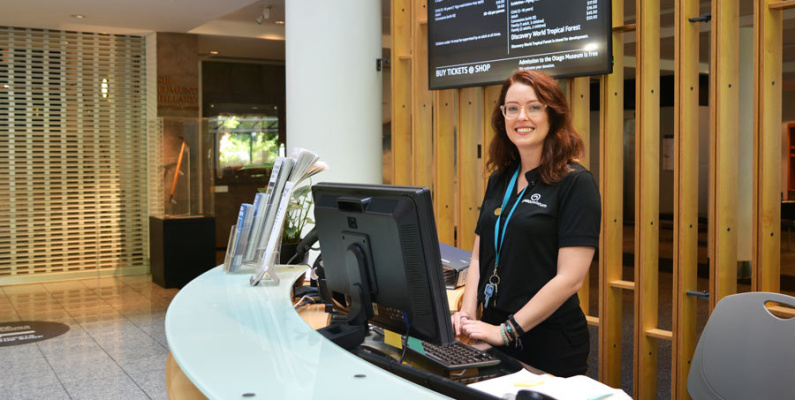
(500, 239)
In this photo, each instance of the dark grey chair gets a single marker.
(745, 352)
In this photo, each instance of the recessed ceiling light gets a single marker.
(279, 22)
(78, 16)
(213, 52)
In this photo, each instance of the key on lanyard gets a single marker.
(488, 292)
(491, 288)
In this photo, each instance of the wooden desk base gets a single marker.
(178, 386)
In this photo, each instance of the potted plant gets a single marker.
(298, 216)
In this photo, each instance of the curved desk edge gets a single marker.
(230, 339)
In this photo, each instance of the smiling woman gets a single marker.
(526, 123)
(564, 145)
(536, 233)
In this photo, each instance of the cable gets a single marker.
(405, 338)
(304, 246)
(340, 306)
(301, 300)
(308, 298)
(405, 341)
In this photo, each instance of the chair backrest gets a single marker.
(745, 352)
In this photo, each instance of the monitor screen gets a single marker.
(476, 43)
(379, 247)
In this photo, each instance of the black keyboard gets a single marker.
(456, 356)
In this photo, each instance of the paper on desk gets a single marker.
(581, 387)
(507, 386)
(578, 387)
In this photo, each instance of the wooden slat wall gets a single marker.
(422, 99)
(491, 94)
(685, 196)
(470, 167)
(72, 196)
(579, 95)
(611, 184)
(402, 159)
(767, 147)
(461, 122)
(444, 197)
(724, 70)
(647, 195)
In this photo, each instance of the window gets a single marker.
(245, 142)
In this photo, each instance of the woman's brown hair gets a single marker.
(562, 145)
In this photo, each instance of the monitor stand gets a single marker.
(350, 334)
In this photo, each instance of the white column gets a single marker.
(333, 88)
(745, 157)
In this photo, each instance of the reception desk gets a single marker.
(235, 341)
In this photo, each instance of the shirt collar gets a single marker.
(532, 175)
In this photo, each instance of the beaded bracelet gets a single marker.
(504, 336)
(510, 331)
(519, 331)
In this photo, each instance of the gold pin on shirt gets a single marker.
(497, 211)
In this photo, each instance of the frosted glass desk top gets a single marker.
(231, 339)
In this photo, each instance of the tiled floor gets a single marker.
(115, 348)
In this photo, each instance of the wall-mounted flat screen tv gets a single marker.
(482, 42)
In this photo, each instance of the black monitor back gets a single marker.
(384, 238)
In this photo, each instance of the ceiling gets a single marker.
(229, 27)
(119, 16)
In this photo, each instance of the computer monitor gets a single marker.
(380, 249)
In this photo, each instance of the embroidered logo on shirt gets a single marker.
(534, 200)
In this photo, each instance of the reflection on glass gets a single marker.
(245, 141)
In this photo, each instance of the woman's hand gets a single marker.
(482, 331)
(457, 320)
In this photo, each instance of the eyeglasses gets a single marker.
(512, 111)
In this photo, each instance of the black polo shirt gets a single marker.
(548, 217)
